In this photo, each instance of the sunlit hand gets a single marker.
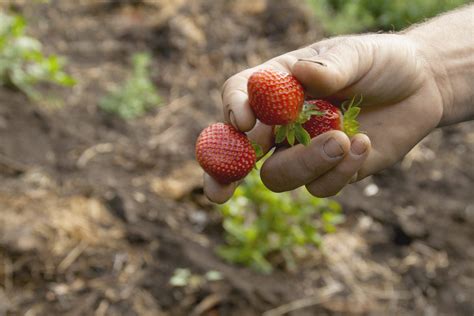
(401, 104)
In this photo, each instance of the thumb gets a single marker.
(334, 68)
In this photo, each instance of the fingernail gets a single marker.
(333, 149)
(313, 61)
(232, 119)
(358, 147)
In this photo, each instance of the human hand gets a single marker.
(401, 104)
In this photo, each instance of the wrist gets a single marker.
(445, 44)
(434, 64)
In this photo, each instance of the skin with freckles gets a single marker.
(399, 77)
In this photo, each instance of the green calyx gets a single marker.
(351, 110)
(295, 130)
(292, 132)
(258, 149)
(258, 152)
(308, 111)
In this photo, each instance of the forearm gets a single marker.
(447, 42)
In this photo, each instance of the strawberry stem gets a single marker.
(350, 111)
(295, 131)
(258, 149)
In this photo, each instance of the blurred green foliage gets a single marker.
(261, 225)
(342, 16)
(136, 95)
(22, 62)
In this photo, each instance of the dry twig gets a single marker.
(325, 294)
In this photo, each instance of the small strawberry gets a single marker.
(225, 153)
(275, 97)
(332, 118)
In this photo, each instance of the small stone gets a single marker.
(371, 189)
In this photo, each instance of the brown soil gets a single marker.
(97, 213)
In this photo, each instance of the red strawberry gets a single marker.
(225, 153)
(275, 97)
(331, 118)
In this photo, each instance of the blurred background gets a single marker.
(102, 209)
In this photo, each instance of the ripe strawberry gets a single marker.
(332, 118)
(225, 153)
(275, 97)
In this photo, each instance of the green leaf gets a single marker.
(250, 234)
(65, 80)
(18, 27)
(258, 149)
(291, 137)
(314, 112)
(281, 132)
(53, 64)
(261, 263)
(302, 135)
(235, 230)
(350, 113)
(316, 239)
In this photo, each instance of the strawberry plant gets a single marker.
(136, 95)
(23, 64)
(264, 229)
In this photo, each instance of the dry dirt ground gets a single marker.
(97, 213)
